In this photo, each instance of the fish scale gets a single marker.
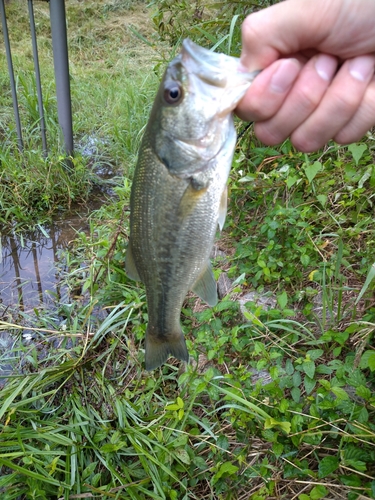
(178, 195)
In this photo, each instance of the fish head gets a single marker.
(191, 119)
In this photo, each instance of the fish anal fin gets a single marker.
(158, 349)
(205, 286)
(130, 267)
(223, 208)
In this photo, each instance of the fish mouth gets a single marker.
(215, 68)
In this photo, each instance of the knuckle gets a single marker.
(346, 101)
(308, 97)
(304, 143)
(268, 135)
(250, 32)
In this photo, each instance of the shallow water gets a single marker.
(29, 281)
(28, 276)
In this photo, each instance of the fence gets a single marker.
(61, 69)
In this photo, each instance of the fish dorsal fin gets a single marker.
(130, 268)
(223, 208)
(205, 286)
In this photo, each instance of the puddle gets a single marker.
(30, 282)
(28, 276)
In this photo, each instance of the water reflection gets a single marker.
(28, 274)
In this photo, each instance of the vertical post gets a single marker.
(11, 75)
(37, 76)
(61, 64)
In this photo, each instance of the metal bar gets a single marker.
(11, 74)
(37, 76)
(61, 64)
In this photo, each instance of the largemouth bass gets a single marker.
(179, 195)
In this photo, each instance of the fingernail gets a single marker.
(362, 67)
(285, 75)
(325, 66)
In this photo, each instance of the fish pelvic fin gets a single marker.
(223, 208)
(158, 349)
(130, 267)
(205, 286)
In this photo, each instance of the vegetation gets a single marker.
(277, 403)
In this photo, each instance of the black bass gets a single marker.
(179, 194)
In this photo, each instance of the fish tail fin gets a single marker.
(158, 350)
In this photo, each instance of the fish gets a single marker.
(179, 190)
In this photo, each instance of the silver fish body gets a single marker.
(179, 193)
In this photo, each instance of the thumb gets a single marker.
(285, 29)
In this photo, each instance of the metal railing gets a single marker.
(61, 69)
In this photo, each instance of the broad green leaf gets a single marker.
(309, 384)
(277, 448)
(357, 151)
(175, 406)
(289, 368)
(296, 394)
(305, 260)
(312, 169)
(109, 447)
(327, 465)
(309, 368)
(340, 393)
(282, 299)
(356, 464)
(363, 392)
(368, 360)
(322, 198)
(172, 407)
(315, 353)
(297, 379)
(362, 416)
(226, 468)
(200, 463)
(270, 423)
(291, 180)
(182, 455)
(319, 491)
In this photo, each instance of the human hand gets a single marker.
(318, 83)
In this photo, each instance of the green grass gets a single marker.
(276, 404)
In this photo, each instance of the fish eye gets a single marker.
(172, 93)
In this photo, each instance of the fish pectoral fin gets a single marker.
(223, 208)
(130, 268)
(158, 349)
(190, 199)
(205, 286)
